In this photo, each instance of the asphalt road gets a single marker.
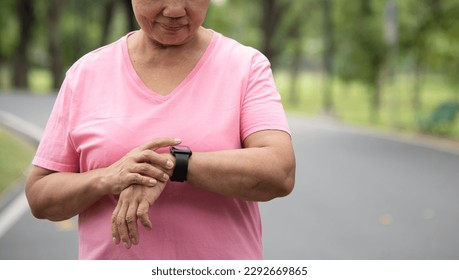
(358, 195)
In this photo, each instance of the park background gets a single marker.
(387, 64)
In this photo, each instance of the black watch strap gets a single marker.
(181, 164)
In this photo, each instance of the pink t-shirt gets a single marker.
(103, 110)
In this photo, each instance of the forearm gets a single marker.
(59, 196)
(252, 173)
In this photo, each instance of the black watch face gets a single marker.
(183, 148)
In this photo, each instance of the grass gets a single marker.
(15, 158)
(40, 80)
(351, 101)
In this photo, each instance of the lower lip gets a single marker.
(172, 28)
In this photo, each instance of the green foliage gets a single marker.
(361, 48)
(8, 29)
(235, 19)
(15, 158)
(81, 28)
(300, 20)
(428, 34)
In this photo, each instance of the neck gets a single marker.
(150, 49)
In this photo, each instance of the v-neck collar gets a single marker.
(146, 90)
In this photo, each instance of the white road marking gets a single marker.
(17, 124)
(15, 209)
(12, 213)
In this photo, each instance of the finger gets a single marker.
(160, 143)
(120, 223)
(142, 214)
(155, 171)
(131, 222)
(137, 179)
(154, 160)
(115, 233)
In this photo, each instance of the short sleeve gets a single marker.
(262, 107)
(55, 151)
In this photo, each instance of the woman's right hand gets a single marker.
(142, 166)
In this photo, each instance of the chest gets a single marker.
(101, 138)
(162, 79)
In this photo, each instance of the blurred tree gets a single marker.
(390, 73)
(361, 50)
(107, 16)
(429, 38)
(237, 19)
(8, 39)
(296, 35)
(328, 54)
(274, 12)
(26, 18)
(291, 37)
(75, 27)
(54, 39)
(129, 14)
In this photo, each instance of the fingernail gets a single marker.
(126, 244)
(169, 164)
(115, 241)
(152, 182)
(178, 140)
(165, 177)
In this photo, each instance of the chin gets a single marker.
(172, 42)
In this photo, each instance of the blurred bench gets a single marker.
(441, 120)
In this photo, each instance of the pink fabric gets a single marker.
(103, 110)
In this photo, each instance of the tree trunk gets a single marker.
(108, 12)
(327, 59)
(21, 66)
(416, 101)
(54, 48)
(295, 68)
(272, 15)
(391, 35)
(130, 18)
(375, 103)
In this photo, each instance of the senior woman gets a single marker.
(175, 127)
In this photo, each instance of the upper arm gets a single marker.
(279, 152)
(268, 138)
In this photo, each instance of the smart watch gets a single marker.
(182, 155)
